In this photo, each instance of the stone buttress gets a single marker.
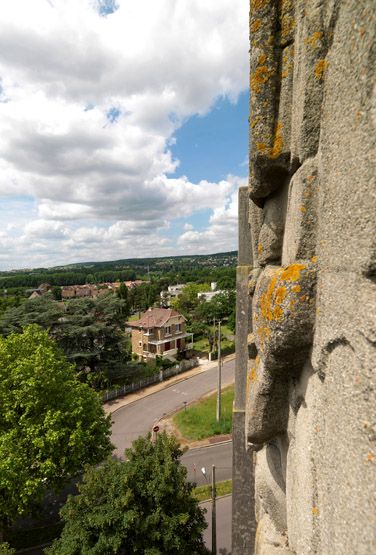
(310, 402)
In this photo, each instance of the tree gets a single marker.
(90, 331)
(51, 425)
(187, 301)
(143, 505)
(56, 293)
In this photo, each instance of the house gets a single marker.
(40, 291)
(159, 332)
(209, 295)
(172, 292)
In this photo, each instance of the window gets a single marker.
(178, 328)
(167, 330)
(140, 343)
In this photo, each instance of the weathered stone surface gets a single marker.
(270, 240)
(315, 334)
(271, 487)
(283, 316)
(256, 216)
(267, 404)
(263, 89)
(242, 483)
(299, 241)
(310, 65)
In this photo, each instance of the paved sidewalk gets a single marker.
(112, 406)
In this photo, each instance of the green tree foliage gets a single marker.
(142, 297)
(51, 425)
(90, 331)
(219, 307)
(56, 293)
(188, 301)
(143, 505)
(6, 550)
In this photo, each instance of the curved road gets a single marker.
(138, 418)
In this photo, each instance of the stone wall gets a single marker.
(311, 394)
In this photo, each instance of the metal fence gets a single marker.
(181, 367)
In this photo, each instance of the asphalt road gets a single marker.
(223, 513)
(138, 418)
(220, 455)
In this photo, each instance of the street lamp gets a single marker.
(214, 512)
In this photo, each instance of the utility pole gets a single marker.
(219, 385)
(214, 515)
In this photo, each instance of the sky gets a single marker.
(123, 128)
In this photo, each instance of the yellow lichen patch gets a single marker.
(266, 300)
(280, 294)
(277, 313)
(314, 259)
(276, 149)
(303, 209)
(261, 147)
(292, 272)
(296, 289)
(370, 457)
(263, 333)
(260, 248)
(315, 511)
(258, 4)
(253, 374)
(255, 121)
(255, 25)
(288, 24)
(262, 59)
(292, 304)
(320, 68)
(260, 76)
(303, 298)
(314, 39)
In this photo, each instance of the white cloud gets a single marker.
(221, 233)
(64, 69)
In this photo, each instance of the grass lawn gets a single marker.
(198, 420)
(202, 493)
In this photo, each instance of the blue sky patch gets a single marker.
(215, 145)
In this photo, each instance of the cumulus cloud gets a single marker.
(221, 233)
(91, 94)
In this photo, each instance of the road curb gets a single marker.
(183, 379)
(217, 498)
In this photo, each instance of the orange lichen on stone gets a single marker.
(277, 313)
(258, 4)
(320, 68)
(261, 147)
(260, 248)
(370, 457)
(303, 209)
(255, 25)
(314, 259)
(314, 38)
(315, 511)
(296, 289)
(263, 334)
(280, 294)
(276, 149)
(260, 76)
(303, 298)
(266, 300)
(292, 272)
(262, 59)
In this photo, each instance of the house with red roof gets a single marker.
(159, 332)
